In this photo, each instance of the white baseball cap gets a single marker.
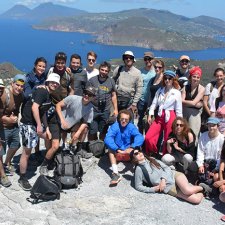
(54, 77)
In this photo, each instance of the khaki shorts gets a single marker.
(173, 191)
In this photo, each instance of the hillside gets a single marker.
(148, 28)
(39, 13)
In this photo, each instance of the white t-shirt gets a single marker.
(92, 73)
(212, 94)
(209, 148)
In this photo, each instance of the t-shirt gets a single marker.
(42, 98)
(213, 93)
(92, 73)
(75, 110)
(103, 99)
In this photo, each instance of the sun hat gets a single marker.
(213, 120)
(1, 83)
(149, 54)
(91, 90)
(196, 70)
(54, 77)
(130, 53)
(185, 57)
(20, 79)
(169, 73)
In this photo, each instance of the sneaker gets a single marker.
(24, 184)
(43, 170)
(207, 190)
(83, 154)
(5, 181)
(9, 169)
(115, 178)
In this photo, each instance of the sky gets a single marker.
(188, 8)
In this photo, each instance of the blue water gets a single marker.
(21, 45)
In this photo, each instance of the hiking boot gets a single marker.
(24, 184)
(43, 170)
(5, 181)
(207, 190)
(9, 169)
(116, 178)
(83, 154)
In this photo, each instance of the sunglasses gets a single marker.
(180, 125)
(147, 59)
(88, 94)
(158, 67)
(168, 78)
(91, 60)
(137, 152)
(184, 61)
(124, 119)
(128, 57)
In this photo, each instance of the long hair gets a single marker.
(175, 83)
(186, 128)
(151, 160)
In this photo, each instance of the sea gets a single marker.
(20, 44)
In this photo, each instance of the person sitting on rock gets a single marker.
(153, 176)
(75, 114)
(121, 138)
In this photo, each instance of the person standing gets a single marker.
(184, 65)
(147, 73)
(106, 96)
(13, 99)
(168, 100)
(91, 61)
(3, 178)
(129, 83)
(79, 74)
(34, 124)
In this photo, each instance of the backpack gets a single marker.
(97, 147)
(68, 170)
(45, 189)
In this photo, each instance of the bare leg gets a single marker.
(2, 171)
(194, 198)
(53, 149)
(24, 159)
(185, 187)
(10, 154)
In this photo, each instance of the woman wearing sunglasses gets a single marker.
(168, 101)
(153, 176)
(192, 96)
(180, 144)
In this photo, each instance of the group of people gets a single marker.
(180, 122)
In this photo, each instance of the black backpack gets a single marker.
(97, 147)
(45, 189)
(68, 170)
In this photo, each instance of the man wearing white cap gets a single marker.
(128, 83)
(184, 66)
(34, 123)
(11, 100)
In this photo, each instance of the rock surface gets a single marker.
(97, 203)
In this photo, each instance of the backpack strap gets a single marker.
(63, 164)
(118, 73)
(146, 175)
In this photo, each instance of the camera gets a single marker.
(101, 104)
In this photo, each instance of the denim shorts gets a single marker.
(29, 135)
(11, 138)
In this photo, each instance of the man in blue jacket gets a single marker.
(122, 137)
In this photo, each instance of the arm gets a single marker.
(138, 182)
(35, 111)
(9, 120)
(139, 85)
(114, 102)
(205, 104)
(110, 137)
(195, 102)
(200, 157)
(59, 107)
(178, 106)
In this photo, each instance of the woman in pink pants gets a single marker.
(168, 100)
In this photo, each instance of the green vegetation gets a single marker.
(149, 28)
